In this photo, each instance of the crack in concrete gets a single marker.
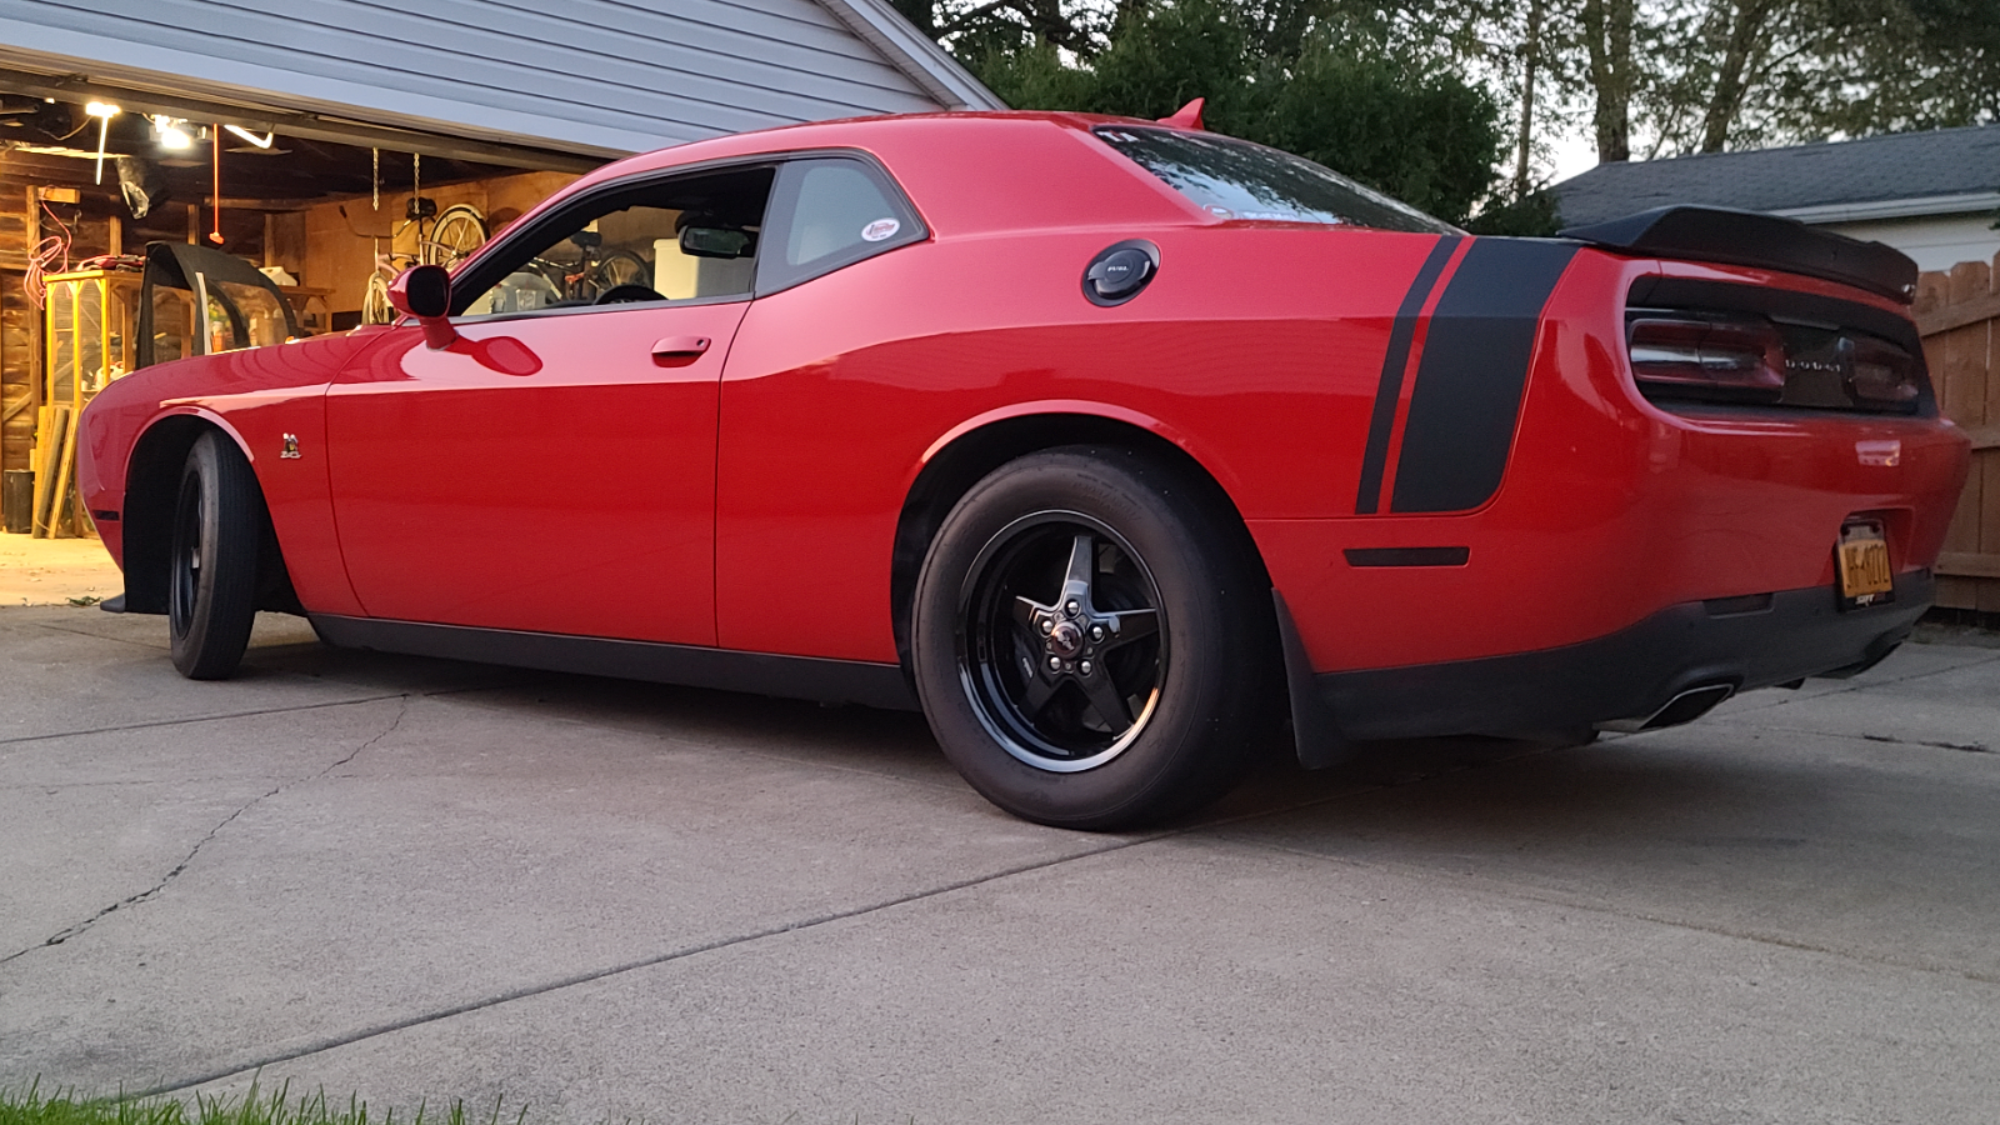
(156, 888)
(1892, 740)
(1968, 747)
(796, 926)
(24, 738)
(387, 1028)
(51, 789)
(151, 646)
(1508, 888)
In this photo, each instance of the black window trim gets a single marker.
(472, 281)
(463, 291)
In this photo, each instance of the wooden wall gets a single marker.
(17, 409)
(1957, 312)
(339, 251)
(94, 221)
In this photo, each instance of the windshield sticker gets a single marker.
(880, 229)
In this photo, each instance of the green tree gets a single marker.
(1401, 125)
(1402, 122)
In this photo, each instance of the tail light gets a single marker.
(1706, 357)
(1881, 375)
(1736, 360)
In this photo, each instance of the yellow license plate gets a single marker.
(1865, 577)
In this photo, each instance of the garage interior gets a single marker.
(89, 178)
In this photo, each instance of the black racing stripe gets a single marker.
(1376, 453)
(1472, 374)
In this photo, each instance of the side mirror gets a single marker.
(717, 242)
(424, 292)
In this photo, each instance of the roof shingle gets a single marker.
(1941, 163)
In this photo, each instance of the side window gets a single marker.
(691, 238)
(828, 213)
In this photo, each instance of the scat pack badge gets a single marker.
(290, 451)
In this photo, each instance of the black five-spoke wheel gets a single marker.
(1089, 641)
(1061, 647)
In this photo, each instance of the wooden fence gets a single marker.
(1959, 315)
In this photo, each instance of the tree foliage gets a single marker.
(1711, 75)
(1293, 74)
(1452, 104)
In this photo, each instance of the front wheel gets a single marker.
(1090, 642)
(212, 575)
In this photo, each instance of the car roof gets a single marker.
(966, 170)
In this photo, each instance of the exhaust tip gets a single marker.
(1685, 707)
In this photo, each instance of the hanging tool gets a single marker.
(215, 143)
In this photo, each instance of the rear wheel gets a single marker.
(212, 575)
(1090, 643)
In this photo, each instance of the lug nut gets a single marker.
(1084, 667)
(1048, 625)
(1055, 663)
(1072, 608)
(1097, 632)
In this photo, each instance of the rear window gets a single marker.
(1234, 179)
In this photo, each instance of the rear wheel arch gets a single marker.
(952, 471)
(152, 489)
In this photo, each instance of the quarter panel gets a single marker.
(261, 396)
(1260, 347)
(1612, 509)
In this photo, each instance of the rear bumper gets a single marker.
(1631, 674)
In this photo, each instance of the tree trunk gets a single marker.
(1607, 28)
(1531, 57)
(1746, 31)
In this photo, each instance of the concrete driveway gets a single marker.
(410, 879)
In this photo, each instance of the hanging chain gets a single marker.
(375, 181)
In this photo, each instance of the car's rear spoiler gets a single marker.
(1746, 238)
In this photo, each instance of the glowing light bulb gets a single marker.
(172, 133)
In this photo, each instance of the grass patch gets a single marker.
(32, 1107)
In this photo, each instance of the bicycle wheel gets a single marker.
(375, 306)
(620, 267)
(457, 233)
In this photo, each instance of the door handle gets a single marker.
(680, 347)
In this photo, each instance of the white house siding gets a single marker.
(588, 76)
(1937, 243)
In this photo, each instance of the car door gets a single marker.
(554, 469)
(817, 403)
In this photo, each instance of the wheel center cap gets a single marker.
(1066, 639)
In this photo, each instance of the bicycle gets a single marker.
(591, 275)
(454, 234)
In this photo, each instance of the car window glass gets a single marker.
(242, 316)
(1234, 179)
(832, 212)
(840, 208)
(627, 245)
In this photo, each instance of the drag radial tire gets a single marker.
(212, 571)
(1090, 644)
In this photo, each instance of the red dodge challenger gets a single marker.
(1117, 447)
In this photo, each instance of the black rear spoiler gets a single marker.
(1746, 238)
